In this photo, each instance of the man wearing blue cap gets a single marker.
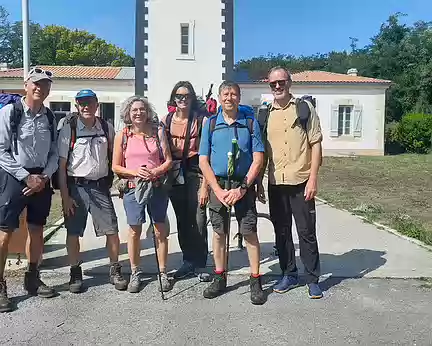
(85, 178)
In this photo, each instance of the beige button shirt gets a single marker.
(89, 157)
(287, 147)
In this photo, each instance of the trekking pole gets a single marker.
(156, 254)
(228, 187)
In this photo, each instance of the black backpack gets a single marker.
(15, 120)
(72, 121)
(303, 114)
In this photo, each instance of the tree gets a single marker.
(57, 45)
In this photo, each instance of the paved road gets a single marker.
(377, 308)
(353, 312)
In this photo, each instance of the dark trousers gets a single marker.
(191, 220)
(286, 201)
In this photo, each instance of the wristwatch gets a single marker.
(244, 185)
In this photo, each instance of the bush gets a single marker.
(414, 133)
(392, 145)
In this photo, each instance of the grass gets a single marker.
(393, 190)
(56, 210)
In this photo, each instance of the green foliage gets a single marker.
(414, 133)
(400, 53)
(57, 45)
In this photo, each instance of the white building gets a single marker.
(187, 40)
(351, 108)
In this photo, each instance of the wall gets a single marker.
(65, 89)
(371, 98)
(166, 66)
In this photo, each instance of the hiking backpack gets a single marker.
(16, 116)
(303, 113)
(72, 120)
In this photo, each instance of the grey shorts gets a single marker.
(245, 212)
(97, 201)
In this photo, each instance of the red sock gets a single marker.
(255, 275)
(219, 271)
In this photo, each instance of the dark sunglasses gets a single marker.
(181, 97)
(281, 83)
(40, 71)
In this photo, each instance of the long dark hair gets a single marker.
(187, 85)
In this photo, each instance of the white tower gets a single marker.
(187, 40)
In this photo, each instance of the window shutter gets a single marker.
(334, 120)
(358, 121)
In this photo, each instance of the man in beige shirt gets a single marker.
(85, 179)
(293, 153)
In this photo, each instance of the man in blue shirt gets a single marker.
(216, 139)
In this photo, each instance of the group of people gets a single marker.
(180, 158)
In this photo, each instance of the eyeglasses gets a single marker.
(281, 83)
(181, 97)
(40, 71)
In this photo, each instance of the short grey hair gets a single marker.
(127, 105)
(280, 68)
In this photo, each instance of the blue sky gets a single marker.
(261, 27)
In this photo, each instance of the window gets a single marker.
(184, 39)
(107, 112)
(60, 106)
(345, 120)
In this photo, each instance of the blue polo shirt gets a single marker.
(218, 144)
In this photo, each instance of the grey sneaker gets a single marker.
(166, 284)
(187, 269)
(202, 275)
(134, 282)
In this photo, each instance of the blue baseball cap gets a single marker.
(85, 93)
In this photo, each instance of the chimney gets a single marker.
(352, 72)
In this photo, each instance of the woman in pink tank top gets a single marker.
(141, 153)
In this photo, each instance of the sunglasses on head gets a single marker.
(281, 83)
(40, 71)
(181, 97)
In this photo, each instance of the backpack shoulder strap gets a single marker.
(125, 136)
(50, 116)
(15, 120)
(73, 125)
(105, 129)
(250, 120)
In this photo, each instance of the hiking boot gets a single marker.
(5, 303)
(134, 282)
(202, 275)
(166, 284)
(314, 291)
(76, 279)
(187, 269)
(116, 277)
(257, 294)
(35, 286)
(285, 284)
(217, 287)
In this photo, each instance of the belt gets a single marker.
(34, 170)
(84, 181)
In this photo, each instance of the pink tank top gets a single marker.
(140, 151)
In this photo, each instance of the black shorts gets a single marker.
(245, 212)
(13, 202)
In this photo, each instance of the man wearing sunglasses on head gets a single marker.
(85, 177)
(293, 153)
(28, 159)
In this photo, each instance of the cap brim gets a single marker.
(39, 78)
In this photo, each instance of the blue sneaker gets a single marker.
(314, 291)
(187, 269)
(285, 284)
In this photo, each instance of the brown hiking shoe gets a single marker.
(35, 286)
(116, 277)
(5, 303)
